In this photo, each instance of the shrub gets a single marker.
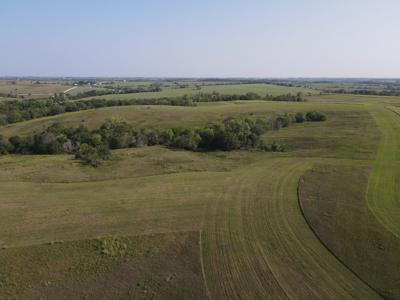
(187, 139)
(300, 118)
(315, 116)
(88, 155)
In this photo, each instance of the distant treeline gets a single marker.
(364, 92)
(13, 111)
(93, 146)
(216, 97)
(111, 90)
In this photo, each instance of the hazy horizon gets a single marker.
(230, 39)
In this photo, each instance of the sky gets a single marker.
(203, 38)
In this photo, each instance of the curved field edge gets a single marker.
(162, 266)
(339, 215)
(257, 244)
(384, 183)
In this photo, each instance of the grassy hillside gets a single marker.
(233, 216)
(261, 89)
(169, 116)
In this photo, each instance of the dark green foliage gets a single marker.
(300, 117)
(389, 91)
(315, 116)
(21, 145)
(91, 155)
(187, 139)
(5, 146)
(284, 120)
(288, 97)
(274, 147)
(94, 146)
(110, 90)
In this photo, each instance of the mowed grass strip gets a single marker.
(384, 183)
(257, 245)
(338, 213)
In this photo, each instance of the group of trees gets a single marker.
(93, 146)
(286, 97)
(13, 111)
(16, 111)
(384, 92)
(216, 97)
(112, 90)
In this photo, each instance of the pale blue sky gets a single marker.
(236, 38)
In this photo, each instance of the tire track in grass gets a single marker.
(384, 183)
(257, 245)
(229, 270)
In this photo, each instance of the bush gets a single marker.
(315, 116)
(300, 118)
(4, 146)
(88, 155)
(274, 147)
(186, 139)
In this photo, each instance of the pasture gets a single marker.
(173, 91)
(32, 88)
(221, 225)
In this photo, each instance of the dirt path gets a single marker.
(70, 89)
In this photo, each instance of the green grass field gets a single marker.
(170, 116)
(384, 188)
(340, 216)
(261, 89)
(223, 225)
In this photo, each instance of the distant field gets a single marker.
(30, 89)
(83, 89)
(167, 116)
(261, 89)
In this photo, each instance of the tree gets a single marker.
(88, 155)
(315, 116)
(300, 118)
(187, 139)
